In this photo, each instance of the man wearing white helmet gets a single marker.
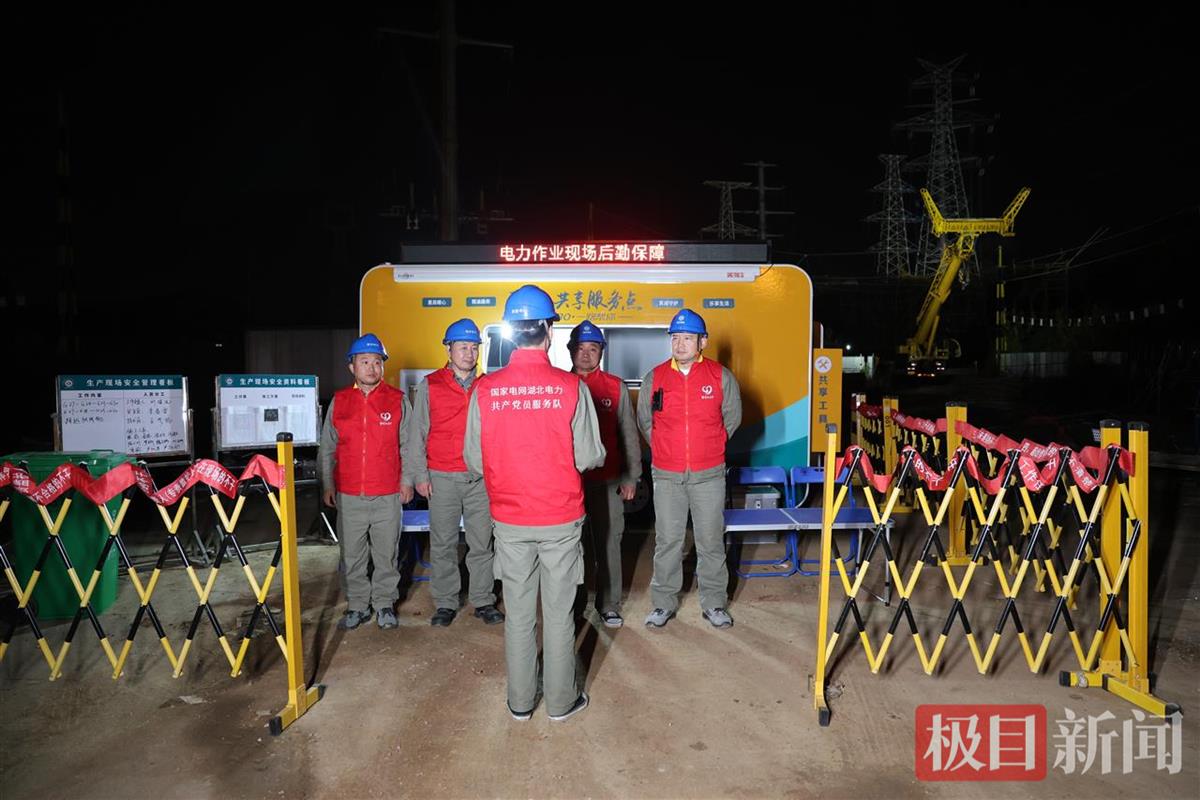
(531, 431)
(688, 407)
(454, 492)
(606, 489)
(364, 475)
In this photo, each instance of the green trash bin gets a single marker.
(83, 533)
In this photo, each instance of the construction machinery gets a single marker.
(927, 356)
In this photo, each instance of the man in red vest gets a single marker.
(454, 493)
(688, 407)
(531, 429)
(606, 489)
(362, 472)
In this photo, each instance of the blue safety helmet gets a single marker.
(367, 343)
(586, 332)
(688, 321)
(529, 303)
(464, 330)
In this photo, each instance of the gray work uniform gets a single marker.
(606, 512)
(368, 526)
(455, 496)
(701, 492)
(545, 557)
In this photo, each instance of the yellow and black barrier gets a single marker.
(868, 427)
(274, 479)
(1017, 514)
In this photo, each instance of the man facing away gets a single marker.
(531, 431)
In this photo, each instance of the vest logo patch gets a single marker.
(385, 417)
(706, 390)
(606, 402)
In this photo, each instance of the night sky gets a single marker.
(228, 170)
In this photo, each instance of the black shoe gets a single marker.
(352, 619)
(580, 704)
(443, 617)
(612, 619)
(490, 615)
(520, 716)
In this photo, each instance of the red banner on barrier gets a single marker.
(1033, 477)
(1089, 458)
(1096, 459)
(928, 475)
(984, 438)
(928, 427)
(879, 483)
(870, 412)
(1085, 466)
(105, 487)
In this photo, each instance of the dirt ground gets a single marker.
(686, 711)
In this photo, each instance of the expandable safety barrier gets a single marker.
(275, 479)
(868, 427)
(1043, 518)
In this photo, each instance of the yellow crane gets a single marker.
(925, 356)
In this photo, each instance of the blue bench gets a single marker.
(737, 520)
(794, 520)
(762, 476)
(416, 522)
(815, 476)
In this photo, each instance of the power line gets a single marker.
(1098, 260)
(1033, 262)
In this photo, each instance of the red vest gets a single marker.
(525, 412)
(606, 394)
(447, 421)
(368, 447)
(688, 434)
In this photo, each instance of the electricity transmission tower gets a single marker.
(893, 250)
(943, 165)
(726, 227)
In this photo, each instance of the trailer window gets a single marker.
(500, 349)
(630, 354)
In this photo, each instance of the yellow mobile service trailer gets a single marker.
(759, 318)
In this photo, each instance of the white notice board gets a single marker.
(139, 415)
(253, 409)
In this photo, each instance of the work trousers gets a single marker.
(460, 495)
(369, 533)
(602, 542)
(548, 558)
(706, 501)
